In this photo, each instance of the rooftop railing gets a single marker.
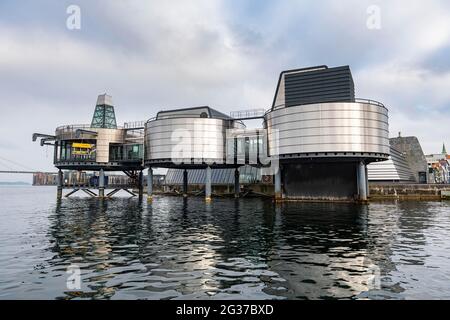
(134, 125)
(357, 100)
(74, 127)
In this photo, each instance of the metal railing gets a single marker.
(134, 125)
(248, 114)
(357, 100)
(74, 127)
(369, 101)
(78, 158)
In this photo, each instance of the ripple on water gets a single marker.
(245, 249)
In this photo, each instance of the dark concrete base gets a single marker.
(320, 181)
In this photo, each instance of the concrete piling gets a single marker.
(101, 184)
(185, 183)
(362, 181)
(237, 186)
(150, 184)
(208, 184)
(60, 185)
(141, 185)
(277, 184)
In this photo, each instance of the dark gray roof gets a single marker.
(218, 176)
(195, 112)
(316, 85)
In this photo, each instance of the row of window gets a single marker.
(86, 151)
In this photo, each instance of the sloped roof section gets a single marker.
(194, 112)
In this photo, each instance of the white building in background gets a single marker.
(395, 169)
(406, 163)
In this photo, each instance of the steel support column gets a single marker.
(367, 182)
(101, 184)
(208, 184)
(141, 184)
(362, 181)
(150, 184)
(237, 186)
(185, 183)
(60, 185)
(277, 184)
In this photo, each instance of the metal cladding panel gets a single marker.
(202, 138)
(323, 85)
(104, 138)
(396, 168)
(218, 176)
(104, 99)
(328, 128)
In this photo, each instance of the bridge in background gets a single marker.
(14, 167)
(27, 172)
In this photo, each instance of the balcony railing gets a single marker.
(78, 158)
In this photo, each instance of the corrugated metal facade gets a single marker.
(316, 86)
(394, 169)
(218, 176)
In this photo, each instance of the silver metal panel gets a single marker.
(202, 138)
(104, 138)
(328, 128)
(104, 99)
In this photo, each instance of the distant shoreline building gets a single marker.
(439, 166)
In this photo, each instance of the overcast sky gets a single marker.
(151, 55)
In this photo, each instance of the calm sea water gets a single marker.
(228, 249)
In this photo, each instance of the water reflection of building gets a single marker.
(184, 248)
(344, 251)
(321, 250)
(83, 234)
